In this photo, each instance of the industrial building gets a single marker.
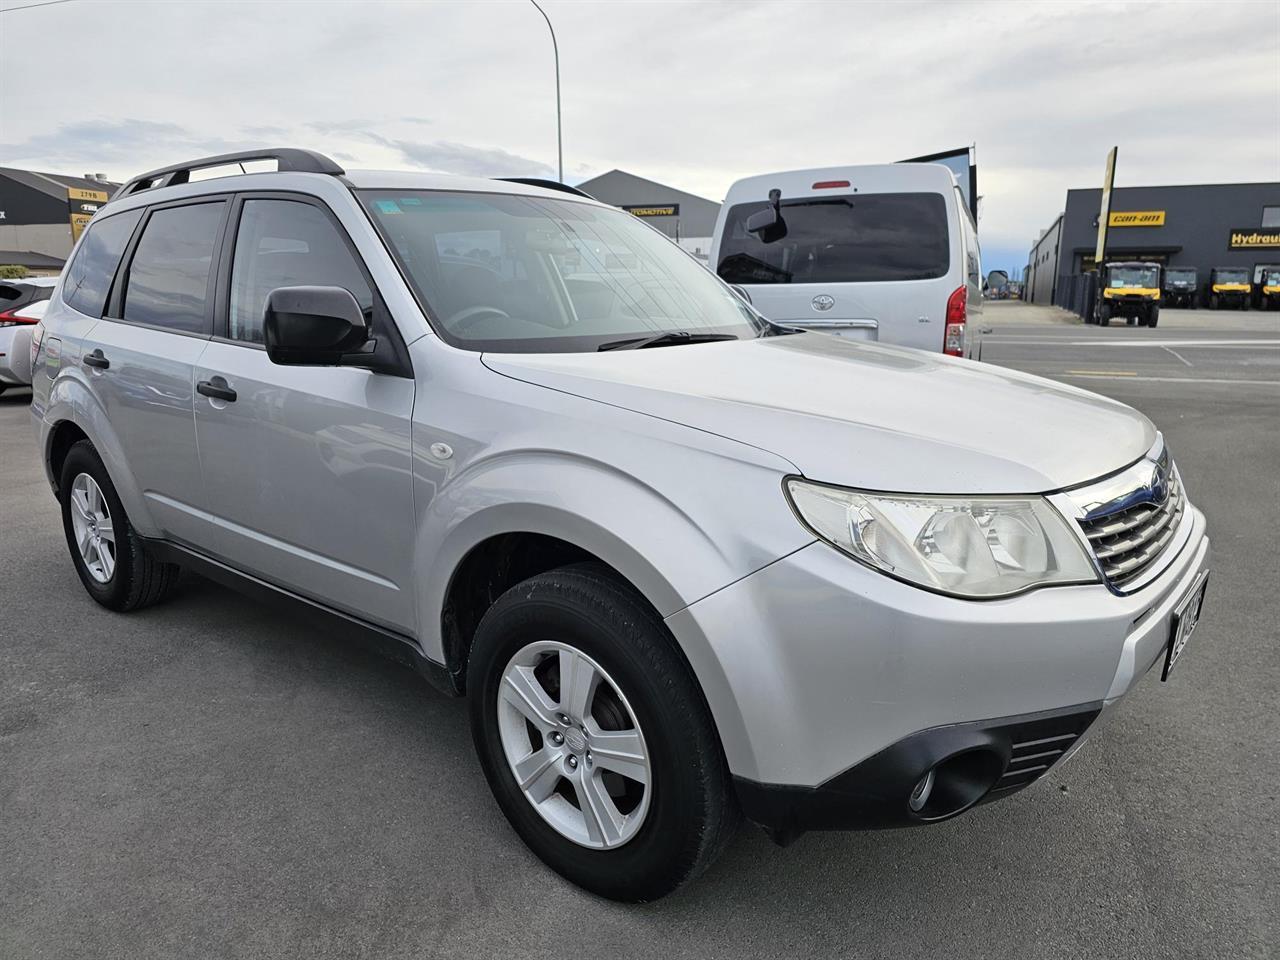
(684, 217)
(42, 215)
(1201, 226)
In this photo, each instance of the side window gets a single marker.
(286, 243)
(88, 279)
(168, 281)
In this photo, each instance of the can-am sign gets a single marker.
(1248, 238)
(1136, 218)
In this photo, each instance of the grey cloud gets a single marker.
(128, 145)
(448, 157)
(343, 126)
(266, 131)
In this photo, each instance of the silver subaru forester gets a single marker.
(685, 564)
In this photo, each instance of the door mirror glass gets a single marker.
(315, 326)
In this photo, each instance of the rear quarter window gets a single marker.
(89, 275)
(853, 238)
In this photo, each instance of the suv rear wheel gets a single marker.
(109, 556)
(594, 735)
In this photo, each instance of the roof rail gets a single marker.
(546, 185)
(287, 158)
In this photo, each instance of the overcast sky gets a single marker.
(694, 94)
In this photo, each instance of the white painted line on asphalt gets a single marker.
(1178, 355)
(1130, 378)
(1272, 342)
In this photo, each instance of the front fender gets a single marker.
(674, 547)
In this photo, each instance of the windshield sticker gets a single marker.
(387, 206)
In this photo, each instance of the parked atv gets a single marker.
(1129, 289)
(1267, 289)
(1266, 277)
(1227, 288)
(1179, 288)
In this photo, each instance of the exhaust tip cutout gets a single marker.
(954, 784)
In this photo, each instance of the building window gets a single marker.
(1271, 216)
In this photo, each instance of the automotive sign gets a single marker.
(659, 210)
(84, 204)
(1136, 218)
(1251, 238)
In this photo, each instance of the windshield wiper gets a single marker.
(667, 339)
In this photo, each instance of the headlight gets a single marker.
(967, 546)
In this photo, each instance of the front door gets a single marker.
(308, 469)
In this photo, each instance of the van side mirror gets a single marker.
(768, 224)
(314, 326)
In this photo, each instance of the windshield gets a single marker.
(1271, 277)
(858, 238)
(531, 274)
(1180, 275)
(1233, 276)
(1133, 277)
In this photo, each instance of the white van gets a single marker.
(886, 252)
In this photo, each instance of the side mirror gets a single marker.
(768, 224)
(314, 326)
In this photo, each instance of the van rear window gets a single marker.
(857, 238)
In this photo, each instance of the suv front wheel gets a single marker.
(595, 737)
(109, 556)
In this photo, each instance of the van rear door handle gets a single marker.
(96, 359)
(217, 388)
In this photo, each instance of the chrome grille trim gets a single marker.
(1129, 521)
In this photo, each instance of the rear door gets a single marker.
(871, 266)
(308, 469)
(141, 358)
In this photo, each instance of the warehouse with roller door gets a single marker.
(1201, 226)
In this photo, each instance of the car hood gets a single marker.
(864, 415)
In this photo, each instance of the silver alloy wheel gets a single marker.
(91, 523)
(590, 782)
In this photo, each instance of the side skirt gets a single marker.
(395, 646)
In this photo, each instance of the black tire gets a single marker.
(1104, 315)
(1213, 301)
(692, 810)
(138, 579)
(1153, 317)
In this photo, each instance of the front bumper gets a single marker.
(823, 674)
(990, 759)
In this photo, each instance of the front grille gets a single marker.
(1039, 744)
(1128, 541)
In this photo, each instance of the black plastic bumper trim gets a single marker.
(873, 794)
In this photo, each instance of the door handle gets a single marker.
(217, 388)
(96, 359)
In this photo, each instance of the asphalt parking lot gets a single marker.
(210, 778)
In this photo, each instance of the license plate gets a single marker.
(1185, 617)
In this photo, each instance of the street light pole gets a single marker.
(556, 49)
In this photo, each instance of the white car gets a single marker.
(22, 305)
(887, 252)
